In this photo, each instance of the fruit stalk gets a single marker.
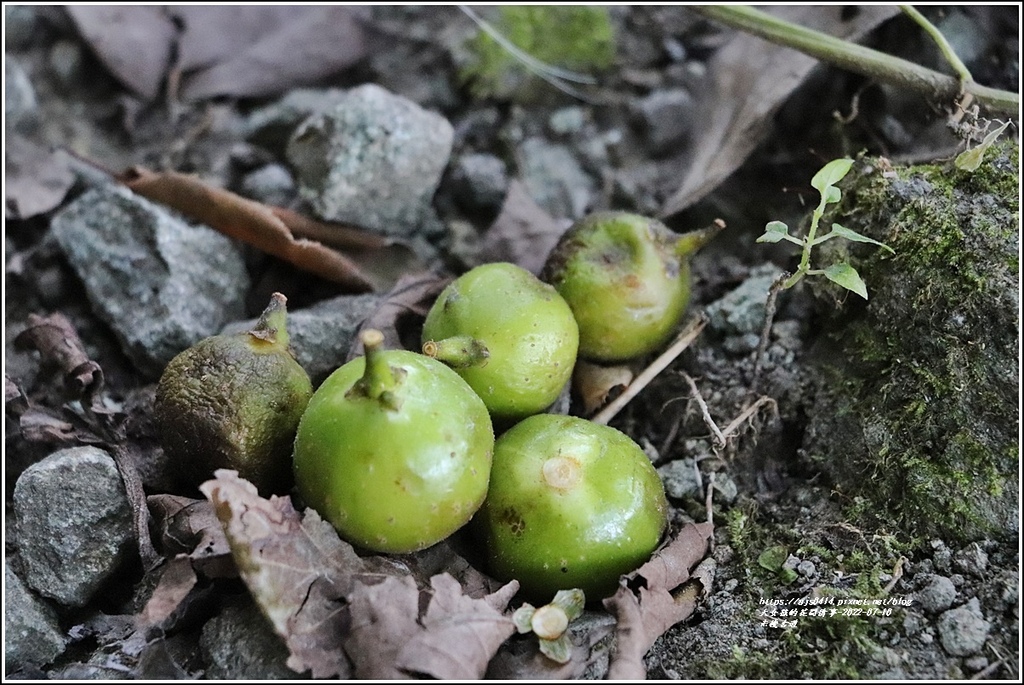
(270, 327)
(689, 243)
(458, 351)
(378, 381)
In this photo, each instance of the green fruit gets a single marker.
(394, 450)
(234, 402)
(508, 334)
(571, 504)
(626, 278)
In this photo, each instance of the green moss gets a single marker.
(579, 38)
(916, 407)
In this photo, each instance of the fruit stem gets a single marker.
(457, 351)
(378, 379)
(689, 243)
(271, 327)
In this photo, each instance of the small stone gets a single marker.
(32, 634)
(942, 558)
(239, 644)
(937, 595)
(976, 663)
(272, 125)
(806, 568)
(21, 27)
(742, 311)
(74, 523)
(161, 284)
(731, 585)
(791, 563)
(963, 631)
(911, 624)
(567, 121)
(320, 336)
(554, 178)
(926, 638)
(20, 103)
(725, 489)
(374, 160)
(66, 61)
(479, 183)
(665, 118)
(271, 184)
(972, 560)
(680, 479)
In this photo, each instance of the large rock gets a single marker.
(374, 160)
(917, 390)
(31, 632)
(74, 523)
(161, 284)
(239, 644)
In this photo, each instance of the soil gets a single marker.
(788, 534)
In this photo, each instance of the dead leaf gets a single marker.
(749, 80)
(190, 526)
(176, 582)
(304, 46)
(523, 233)
(665, 594)
(36, 179)
(454, 638)
(298, 571)
(597, 384)
(135, 42)
(408, 302)
(60, 347)
(212, 33)
(268, 229)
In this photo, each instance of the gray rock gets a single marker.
(725, 490)
(374, 160)
(741, 312)
(942, 557)
(963, 631)
(273, 124)
(976, 663)
(664, 117)
(239, 644)
(271, 184)
(554, 178)
(161, 284)
(680, 479)
(31, 632)
(20, 103)
(567, 121)
(74, 523)
(972, 560)
(66, 62)
(320, 336)
(21, 25)
(479, 182)
(806, 568)
(937, 595)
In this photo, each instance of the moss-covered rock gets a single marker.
(916, 404)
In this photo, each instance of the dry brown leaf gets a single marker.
(176, 582)
(215, 33)
(597, 384)
(298, 47)
(135, 42)
(36, 179)
(407, 303)
(666, 594)
(297, 570)
(454, 638)
(59, 346)
(190, 526)
(750, 79)
(523, 233)
(267, 228)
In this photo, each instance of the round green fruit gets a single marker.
(571, 504)
(508, 334)
(234, 402)
(394, 450)
(627, 280)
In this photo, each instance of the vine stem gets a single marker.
(857, 58)
(940, 40)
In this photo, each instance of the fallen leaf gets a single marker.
(60, 347)
(176, 582)
(297, 569)
(597, 384)
(523, 233)
(407, 303)
(749, 80)
(454, 638)
(305, 45)
(655, 597)
(191, 526)
(36, 179)
(270, 229)
(135, 42)
(212, 33)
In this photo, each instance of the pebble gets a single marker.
(680, 479)
(665, 118)
(20, 103)
(272, 125)
(963, 630)
(320, 336)
(32, 634)
(567, 121)
(161, 284)
(271, 184)
(479, 183)
(554, 178)
(742, 311)
(941, 557)
(937, 595)
(239, 644)
(74, 523)
(972, 560)
(976, 663)
(374, 160)
(66, 62)
(806, 569)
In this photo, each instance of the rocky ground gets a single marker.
(899, 562)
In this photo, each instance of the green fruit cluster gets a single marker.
(397, 449)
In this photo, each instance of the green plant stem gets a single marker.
(940, 40)
(857, 58)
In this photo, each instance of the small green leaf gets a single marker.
(830, 174)
(844, 232)
(846, 276)
(774, 231)
(559, 650)
(773, 558)
(970, 160)
(522, 617)
(833, 195)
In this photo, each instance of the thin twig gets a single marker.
(746, 414)
(897, 573)
(988, 670)
(769, 317)
(688, 335)
(707, 503)
(705, 413)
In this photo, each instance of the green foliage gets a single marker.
(570, 37)
(840, 273)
